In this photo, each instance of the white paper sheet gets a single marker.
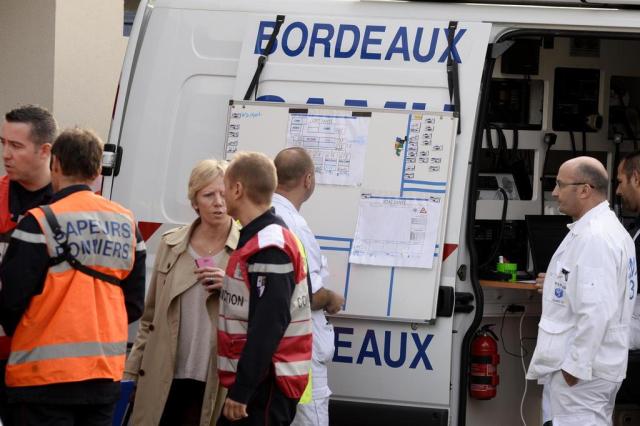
(337, 144)
(393, 231)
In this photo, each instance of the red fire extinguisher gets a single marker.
(484, 364)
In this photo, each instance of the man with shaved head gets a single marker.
(587, 301)
(296, 183)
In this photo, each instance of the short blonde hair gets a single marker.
(257, 173)
(205, 172)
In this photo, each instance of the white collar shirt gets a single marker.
(323, 336)
(318, 270)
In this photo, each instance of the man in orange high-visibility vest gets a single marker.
(26, 134)
(264, 325)
(73, 278)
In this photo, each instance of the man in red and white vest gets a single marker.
(26, 135)
(264, 326)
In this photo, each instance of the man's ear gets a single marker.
(308, 180)
(635, 178)
(238, 190)
(55, 164)
(45, 150)
(583, 191)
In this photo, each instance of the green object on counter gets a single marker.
(508, 268)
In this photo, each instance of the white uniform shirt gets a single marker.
(634, 339)
(323, 345)
(587, 301)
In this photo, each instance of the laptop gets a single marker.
(545, 233)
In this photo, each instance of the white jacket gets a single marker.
(587, 301)
(323, 336)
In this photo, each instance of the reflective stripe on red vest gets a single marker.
(76, 329)
(292, 358)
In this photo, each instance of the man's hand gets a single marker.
(326, 300)
(234, 410)
(336, 301)
(571, 380)
(540, 281)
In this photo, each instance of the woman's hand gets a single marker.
(210, 277)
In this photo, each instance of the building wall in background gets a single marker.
(64, 55)
(27, 37)
(89, 48)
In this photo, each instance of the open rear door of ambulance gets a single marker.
(190, 62)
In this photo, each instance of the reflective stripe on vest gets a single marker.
(76, 329)
(68, 350)
(292, 358)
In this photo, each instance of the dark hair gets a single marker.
(79, 152)
(43, 125)
(594, 177)
(631, 163)
(291, 165)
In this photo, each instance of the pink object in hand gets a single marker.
(204, 262)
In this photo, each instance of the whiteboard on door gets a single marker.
(380, 204)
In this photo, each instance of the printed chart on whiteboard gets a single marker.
(394, 231)
(337, 144)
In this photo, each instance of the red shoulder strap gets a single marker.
(6, 223)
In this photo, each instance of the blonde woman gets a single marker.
(171, 360)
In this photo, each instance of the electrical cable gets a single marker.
(584, 142)
(504, 347)
(502, 152)
(544, 169)
(524, 370)
(573, 142)
(496, 247)
(489, 140)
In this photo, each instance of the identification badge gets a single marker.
(560, 284)
(261, 284)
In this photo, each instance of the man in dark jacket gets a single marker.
(26, 136)
(264, 327)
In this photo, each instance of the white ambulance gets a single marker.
(545, 81)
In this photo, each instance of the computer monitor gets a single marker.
(545, 235)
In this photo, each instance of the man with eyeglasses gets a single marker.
(588, 295)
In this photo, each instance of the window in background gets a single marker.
(130, 7)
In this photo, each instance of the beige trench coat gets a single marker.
(152, 360)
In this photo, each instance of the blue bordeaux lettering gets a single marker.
(88, 246)
(371, 349)
(325, 40)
